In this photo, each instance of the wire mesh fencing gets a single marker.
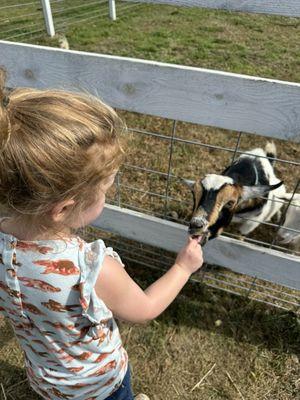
(162, 153)
(162, 190)
(140, 256)
(25, 21)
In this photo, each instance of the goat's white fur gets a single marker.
(292, 221)
(271, 207)
(214, 182)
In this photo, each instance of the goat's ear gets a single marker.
(251, 192)
(189, 183)
(196, 189)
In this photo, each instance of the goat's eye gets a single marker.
(230, 204)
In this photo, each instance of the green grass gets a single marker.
(249, 44)
(256, 345)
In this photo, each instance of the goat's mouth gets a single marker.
(199, 234)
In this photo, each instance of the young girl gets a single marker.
(59, 153)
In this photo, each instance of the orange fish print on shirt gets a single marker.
(41, 285)
(31, 308)
(61, 267)
(82, 356)
(27, 246)
(82, 332)
(75, 369)
(11, 272)
(14, 260)
(34, 350)
(101, 336)
(103, 356)
(78, 342)
(78, 385)
(76, 287)
(57, 393)
(109, 381)
(59, 325)
(67, 358)
(103, 370)
(37, 341)
(56, 306)
(11, 292)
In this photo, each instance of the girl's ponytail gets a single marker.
(5, 126)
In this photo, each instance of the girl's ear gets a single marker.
(61, 210)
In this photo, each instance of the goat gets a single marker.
(237, 192)
(292, 221)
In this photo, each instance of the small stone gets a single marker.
(295, 358)
(173, 214)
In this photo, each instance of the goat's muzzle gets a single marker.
(198, 228)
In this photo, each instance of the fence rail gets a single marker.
(241, 257)
(250, 104)
(288, 8)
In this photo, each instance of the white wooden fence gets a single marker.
(32, 19)
(288, 8)
(250, 104)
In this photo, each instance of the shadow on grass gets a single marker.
(6, 330)
(15, 383)
(242, 319)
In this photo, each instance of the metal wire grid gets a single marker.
(212, 276)
(135, 254)
(30, 20)
(168, 176)
(63, 17)
(21, 19)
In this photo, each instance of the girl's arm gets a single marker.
(129, 302)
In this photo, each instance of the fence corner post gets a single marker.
(48, 17)
(112, 9)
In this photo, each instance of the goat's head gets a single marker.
(216, 199)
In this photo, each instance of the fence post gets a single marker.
(112, 9)
(48, 17)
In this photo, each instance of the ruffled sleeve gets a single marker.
(91, 257)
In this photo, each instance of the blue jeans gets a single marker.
(125, 391)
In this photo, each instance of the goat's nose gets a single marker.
(198, 222)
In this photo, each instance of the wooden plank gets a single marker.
(287, 8)
(231, 101)
(242, 257)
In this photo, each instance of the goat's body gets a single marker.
(247, 188)
(292, 221)
(254, 169)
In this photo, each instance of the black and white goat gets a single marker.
(245, 189)
(289, 233)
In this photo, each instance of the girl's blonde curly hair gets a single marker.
(54, 145)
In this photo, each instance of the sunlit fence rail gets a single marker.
(288, 8)
(34, 19)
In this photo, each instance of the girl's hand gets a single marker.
(190, 257)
